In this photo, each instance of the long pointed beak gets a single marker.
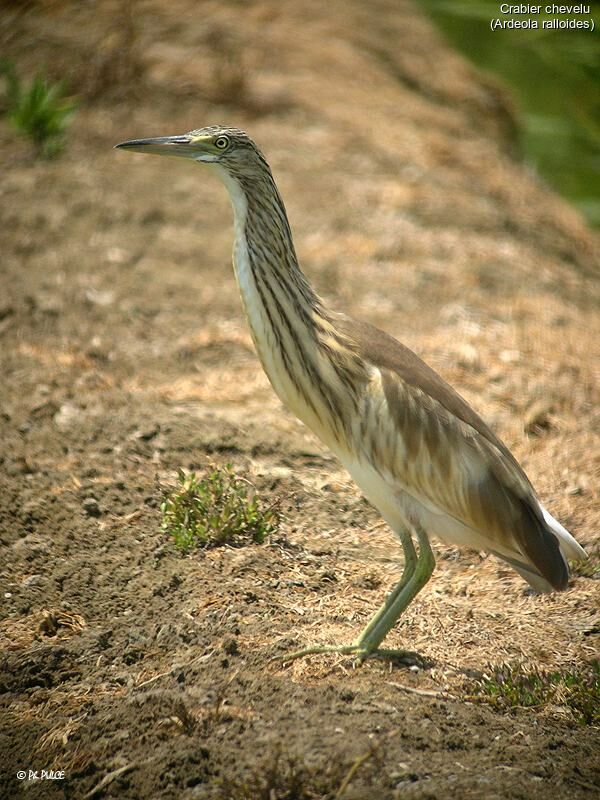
(162, 145)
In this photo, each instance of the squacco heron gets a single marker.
(416, 449)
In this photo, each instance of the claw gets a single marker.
(343, 649)
(407, 657)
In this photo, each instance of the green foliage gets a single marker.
(284, 777)
(280, 780)
(509, 686)
(215, 510)
(553, 75)
(590, 568)
(39, 110)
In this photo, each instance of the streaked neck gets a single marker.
(293, 333)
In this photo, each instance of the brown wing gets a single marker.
(451, 457)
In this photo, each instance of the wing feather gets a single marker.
(443, 454)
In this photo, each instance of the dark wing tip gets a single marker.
(541, 546)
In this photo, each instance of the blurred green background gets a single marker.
(554, 76)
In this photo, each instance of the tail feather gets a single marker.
(569, 547)
(530, 574)
(541, 546)
(526, 535)
(548, 547)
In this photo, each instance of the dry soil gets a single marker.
(142, 673)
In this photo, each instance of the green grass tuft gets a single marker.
(217, 509)
(282, 780)
(590, 568)
(509, 686)
(39, 110)
(284, 777)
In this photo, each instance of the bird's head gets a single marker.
(229, 148)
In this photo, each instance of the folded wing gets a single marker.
(424, 437)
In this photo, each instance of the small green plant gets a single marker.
(590, 568)
(280, 780)
(509, 686)
(280, 776)
(39, 110)
(215, 510)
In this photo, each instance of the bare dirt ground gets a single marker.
(145, 674)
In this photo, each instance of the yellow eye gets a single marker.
(222, 143)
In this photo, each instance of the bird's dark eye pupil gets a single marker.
(222, 142)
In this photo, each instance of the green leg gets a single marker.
(410, 564)
(417, 571)
(385, 619)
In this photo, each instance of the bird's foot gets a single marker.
(358, 650)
